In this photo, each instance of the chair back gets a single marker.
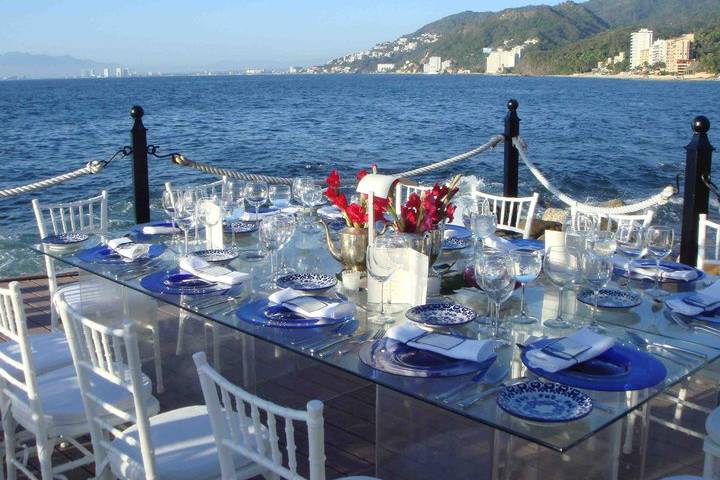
(237, 433)
(708, 243)
(13, 326)
(87, 215)
(113, 354)
(403, 192)
(514, 214)
(611, 222)
(205, 189)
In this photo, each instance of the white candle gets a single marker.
(371, 219)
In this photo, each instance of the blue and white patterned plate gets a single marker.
(457, 231)
(441, 314)
(261, 312)
(177, 282)
(217, 255)
(455, 243)
(240, 227)
(544, 401)
(64, 239)
(611, 298)
(307, 282)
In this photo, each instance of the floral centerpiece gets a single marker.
(423, 213)
(354, 213)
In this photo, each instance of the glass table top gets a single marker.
(307, 252)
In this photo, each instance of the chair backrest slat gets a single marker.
(257, 449)
(708, 239)
(611, 221)
(514, 214)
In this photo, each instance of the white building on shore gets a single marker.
(640, 43)
(385, 67)
(499, 60)
(433, 65)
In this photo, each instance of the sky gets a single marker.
(185, 35)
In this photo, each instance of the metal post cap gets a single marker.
(700, 124)
(137, 111)
(512, 104)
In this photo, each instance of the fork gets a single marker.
(469, 402)
(344, 345)
(691, 325)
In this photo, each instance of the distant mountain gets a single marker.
(565, 38)
(20, 64)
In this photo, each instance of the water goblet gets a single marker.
(208, 213)
(286, 223)
(660, 240)
(169, 199)
(256, 194)
(274, 232)
(596, 272)
(631, 245)
(494, 270)
(484, 223)
(478, 252)
(561, 265)
(602, 242)
(184, 211)
(382, 259)
(279, 195)
(527, 265)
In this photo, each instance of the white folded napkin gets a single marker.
(212, 273)
(310, 306)
(498, 243)
(648, 270)
(159, 230)
(249, 215)
(580, 346)
(460, 348)
(128, 249)
(705, 300)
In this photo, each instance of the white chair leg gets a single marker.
(682, 395)
(215, 345)
(52, 288)
(45, 448)
(157, 358)
(9, 428)
(181, 333)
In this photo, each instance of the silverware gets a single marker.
(332, 349)
(644, 343)
(688, 324)
(344, 346)
(469, 402)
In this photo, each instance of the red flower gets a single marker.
(361, 174)
(330, 193)
(450, 212)
(333, 179)
(357, 214)
(341, 202)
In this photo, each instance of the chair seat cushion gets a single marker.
(62, 403)
(50, 351)
(184, 447)
(712, 425)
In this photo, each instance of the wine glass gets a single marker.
(279, 195)
(485, 222)
(527, 265)
(478, 252)
(660, 240)
(169, 199)
(494, 269)
(256, 194)
(561, 265)
(382, 259)
(631, 246)
(184, 216)
(288, 223)
(275, 232)
(602, 242)
(208, 213)
(596, 272)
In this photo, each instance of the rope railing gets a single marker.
(657, 199)
(179, 159)
(91, 168)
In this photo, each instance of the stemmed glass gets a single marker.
(561, 265)
(494, 269)
(237, 208)
(208, 213)
(602, 242)
(256, 194)
(479, 251)
(169, 199)
(660, 241)
(527, 265)
(484, 222)
(382, 259)
(279, 195)
(184, 215)
(630, 239)
(596, 273)
(275, 232)
(309, 192)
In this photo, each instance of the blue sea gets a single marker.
(598, 139)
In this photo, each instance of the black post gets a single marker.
(138, 139)
(512, 129)
(696, 195)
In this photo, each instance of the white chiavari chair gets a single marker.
(49, 406)
(236, 432)
(87, 215)
(611, 222)
(708, 256)
(207, 189)
(173, 445)
(403, 192)
(514, 214)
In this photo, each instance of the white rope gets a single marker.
(492, 143)
(658, 199)
(91, 168)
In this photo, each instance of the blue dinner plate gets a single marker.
(136, 231)
(262, 312)
(713, 316)
(663, 264)
(397, 358)
(527, 243)
(63, 239)
(217, 255)
(240, 227)
(455, 243)
(457, 231)
(441, 314)
(544, 401)
(611, 298)
(307, 282)
(619, 369)
(105, 254)
(177, 282)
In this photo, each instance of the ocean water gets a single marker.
(597, 139)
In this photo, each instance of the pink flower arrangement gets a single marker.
(422, 213)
